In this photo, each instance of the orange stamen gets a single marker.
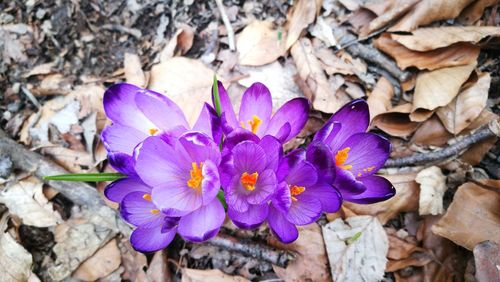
(147, 197)
(296, 190)
(341, 157)
(254, 123)
(155, 211)
(248, 181)
(153, 131)
(196, 176)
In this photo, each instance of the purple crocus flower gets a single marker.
(301, 196)
(255, 113)
(249, 177)
(138, 113)
(183, 173)
(353, 154)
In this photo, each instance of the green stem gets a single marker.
(86, 177)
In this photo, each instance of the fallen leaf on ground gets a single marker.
(356, 249)
(25, 199)
(472, 217)
(102, 263)
(323, 32)
(396, 121)
(212, 275)
(476, 152)
(133, 70)
(397, 9)
(475, 10)
(432, 187)
(13, 49)
(431, 132)
(487, 260)
(258, 44)
(41, 69)
(455, 55)
(302, 13)
(15, 261)
(404, 253)
(428, 11)
(437, 88)
(379, 100)
(311, 262)
(311, 72)
(466, 107)
(53, 84)
(73, 160)
(170, 79)
(158, 268)
(179, 44)
(405, 200)
(430, 38)
(133, 262)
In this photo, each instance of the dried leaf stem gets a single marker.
(227, 24)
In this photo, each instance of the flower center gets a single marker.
(254, 124)
(248, 180)
(341, 157)
(196, 176)
(153, 131)
(296, 190)
(147, 197)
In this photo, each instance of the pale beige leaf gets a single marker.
(323, 31)
(174, 79)
(25, 199)
(400, 8)
(72, 160)
(396, 121)
(466, 107)
(179, 44)
(455, 55)
(311, 72)
(379, 100)
(102, 263)
(475, 10)
(472, 217)
(405, 200)
(426, 39)
(428, 11)
(15, 261)
(356, 259)
(437, 88)
(432, 187)
(302, 14)
(258, 44)
(133, 70)
(212, 275)
(41, 69)
(431, 132)
(158, 270)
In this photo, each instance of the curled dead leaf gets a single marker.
(133, 70)
(431, 132)
(15, 261)
(258, 44)
(302, 13)
(102, 263)
(379, 100)
(397, 9)
(475, 10)
(432, 187)
(396, 121)
(212, 275)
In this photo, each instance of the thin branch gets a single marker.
(227, 24)
(452, 151)
(255, 250)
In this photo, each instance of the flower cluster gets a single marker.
(175, 173)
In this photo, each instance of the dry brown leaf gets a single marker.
(428, 11)
(212, 275)
(403, 251)
(396, 121)
(15, 261)
(53, 84)
(475, 10)
(311, 262)
(405, 200)
(333, 64)
(311, 72)
(72, 160)
(323, 31)
(397, 9)
(466, 107)
(179, 44)
(487, 260)
(431, 132)
(437, 88)
(360, 19)
(133, 262)
(302, 13)
(158, 268)
(25, 199)
(46, 68)
(432, 187)
(356, 249)
(426, 39)
(379, 100)
(174, 79)
(133, 70)
(473, 217)
(476, 152)
(102, 263)
(455, 55)
(258, 44)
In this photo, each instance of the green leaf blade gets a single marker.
(86, 177)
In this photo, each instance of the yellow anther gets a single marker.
(155, 211)
(341, 157)
(296, 190)
(248, 181)
(147, 197)
(254, 123)
(153, 131)
(196, 176)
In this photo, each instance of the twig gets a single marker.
(30, 96)
(259, 251)
(360, 39)
(120, 28)
(453, 150)
(227, 24)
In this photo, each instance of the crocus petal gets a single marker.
(253, 217)
(264, 188)
(122, 162)
(151, 239)
(199, 147)
(285, 231)
(210, 184)
(160, 110)
(327, 135)
(367, 154)
(256, 102)
(347, 184)
(176, 200)
(138, 211)
(283, 132)
(330, 198)
(226, 106)
(120, 107)
(235, 196)
(237, 136)
(273, 149)
(249, 157)
(209, 123)
(154, 153)
(288, 162)
(295, 112)
(282, 199)
(203, 223)
(306, 209)
(120, 138)
(378, 189)
(117, 190)
(302, 174)
(321, 157)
